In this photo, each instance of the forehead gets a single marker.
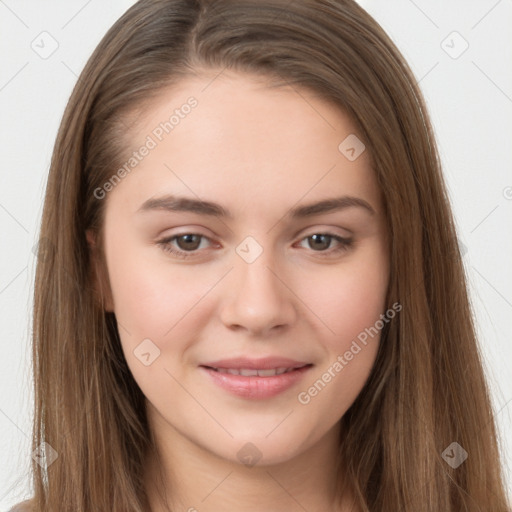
(232, 137)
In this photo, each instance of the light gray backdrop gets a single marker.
(461, 54)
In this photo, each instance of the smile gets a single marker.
(251, 372)
(256, 383)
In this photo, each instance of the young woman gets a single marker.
(251, 295)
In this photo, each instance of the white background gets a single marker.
(470, 102)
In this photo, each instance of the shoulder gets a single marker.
(24, 506)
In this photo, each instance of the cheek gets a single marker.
(350, 298)
(158, 311)
(160, 306)
(152, 300)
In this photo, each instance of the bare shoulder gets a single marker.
(24, 506)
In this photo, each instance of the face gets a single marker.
(215, 300)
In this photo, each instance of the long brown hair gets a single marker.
(427, 389)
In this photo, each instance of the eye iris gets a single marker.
(191, 242)
(324, 240)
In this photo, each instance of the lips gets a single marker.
(256, 378)
(253, 372)
(266, 363)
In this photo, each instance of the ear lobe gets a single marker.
(99, 275)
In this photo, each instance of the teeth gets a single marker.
(268, 373)
(249, 372)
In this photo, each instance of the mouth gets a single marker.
(257, 372)
(256, 383)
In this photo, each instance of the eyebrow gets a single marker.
(172, 203)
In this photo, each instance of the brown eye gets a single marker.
(322, 243)
(188, 242)
(319, 242)
(183, 246)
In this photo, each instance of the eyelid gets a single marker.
(325, 229)
(344, 244)
(173, 237)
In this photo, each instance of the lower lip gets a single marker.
(255, 387)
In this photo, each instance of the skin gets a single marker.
(258, 152)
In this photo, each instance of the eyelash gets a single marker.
(345, 244)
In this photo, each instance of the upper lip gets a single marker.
(266, 363)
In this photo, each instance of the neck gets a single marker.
(186, 477)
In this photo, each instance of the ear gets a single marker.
(99, 274)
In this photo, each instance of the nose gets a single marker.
(257, 298)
